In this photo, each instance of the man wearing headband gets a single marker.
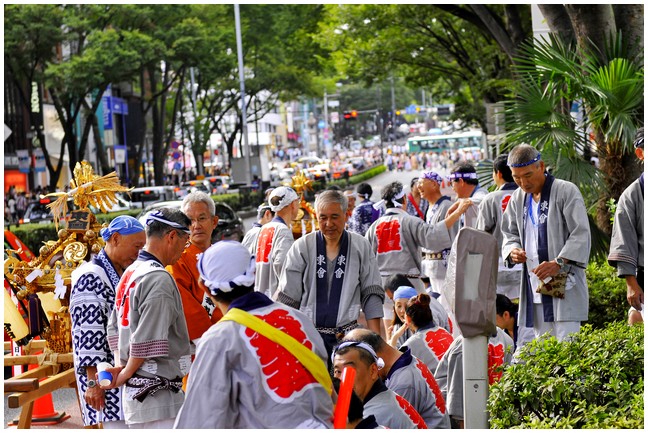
(240, 378)
(491, 210)
(465, 184)
(626, 245)
(198, 310)
(408, 377)
(331, 274)
(275, 239)
(397, 237)
(363, 214)
(390, 409)
(546, 228)
(264, 216)
(434, 263)
(91, 301)
(147, 327)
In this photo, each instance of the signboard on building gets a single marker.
(39, 160)
(107, 112)
(120, 153)
(24, 161)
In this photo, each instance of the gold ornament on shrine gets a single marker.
(42, 286)
(306, 220)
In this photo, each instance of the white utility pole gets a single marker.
(239, 49)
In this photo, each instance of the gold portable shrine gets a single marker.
(306, 220)
(44, 283)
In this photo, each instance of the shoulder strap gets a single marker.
(307, 357)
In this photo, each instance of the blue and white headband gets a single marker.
(124, 225)
(432, 176)
(225, 265)
(524, 164)
(379, 361)
(156, 215)
(394, 201)
(458, 175)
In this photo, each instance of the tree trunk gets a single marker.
(593, 25)
(495, 29)
(630, 21)
(558, 20)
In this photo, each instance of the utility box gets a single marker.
(471, 281)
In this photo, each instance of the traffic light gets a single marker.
(398, 112)
(350, 115)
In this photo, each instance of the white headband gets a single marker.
(398, 196)
(379, 361)
(226, 264)
(286, 196)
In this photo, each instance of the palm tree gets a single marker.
(553, 75)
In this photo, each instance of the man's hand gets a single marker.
(546, 270)
(117, 380)
(518, 255)
(635, 294)
(95, 397)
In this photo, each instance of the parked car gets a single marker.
(344, 171)
(145, 196)
(37, 212)
(230, 225)
(219, 184)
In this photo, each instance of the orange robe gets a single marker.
(185, 273)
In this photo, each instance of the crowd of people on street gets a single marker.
(260, 334)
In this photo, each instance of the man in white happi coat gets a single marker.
(626, 245)
(545, 227)
(434, 263)
(148, 329)
(390, 409)
(397, 238)
(408, 377)
(91, 302)
(331, 274)
(264, 216)
(465, 184)
(243, 379)
(275, 239)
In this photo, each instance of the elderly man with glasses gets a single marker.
(200, 313)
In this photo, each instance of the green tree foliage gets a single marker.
(594, 381)
(462, 54)
(553, 74)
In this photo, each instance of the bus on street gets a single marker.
(466, 141)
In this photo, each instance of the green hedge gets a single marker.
(607, 295)
(594, 381)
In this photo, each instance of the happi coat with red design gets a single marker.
(273, 243)
(148, 322)
(397, 238)
(241, 379)
(429, 344)
(412, 380)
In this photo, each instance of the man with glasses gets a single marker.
(147, 327)
(200, 313)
